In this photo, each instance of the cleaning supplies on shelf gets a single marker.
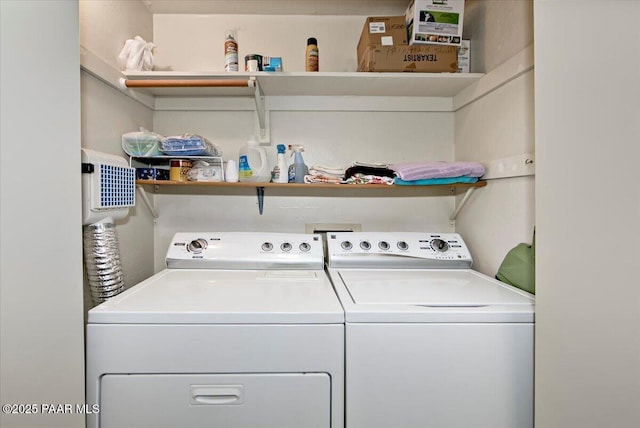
(252, 162)
(231, 50)
(298, 169)
(280, 172)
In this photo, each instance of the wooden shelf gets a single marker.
(300, 189)
(213, 184)
(308, 84)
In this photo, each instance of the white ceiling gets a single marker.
(279, 7)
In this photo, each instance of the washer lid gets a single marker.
(430, 295)
(201, 296)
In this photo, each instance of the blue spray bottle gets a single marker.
(298, 169)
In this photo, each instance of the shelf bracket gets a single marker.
(464, 200)
(264, 133)
(260, 192)
(147, 202)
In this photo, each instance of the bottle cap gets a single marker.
(312, 41)
(281, 148)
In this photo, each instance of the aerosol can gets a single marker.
(298, 169)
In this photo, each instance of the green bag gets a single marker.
(519, 267)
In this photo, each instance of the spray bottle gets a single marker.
(298, 169)
(280, 173)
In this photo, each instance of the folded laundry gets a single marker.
(432, 181)
(379, 171)
(327, 171)
(437, 169)
(359, 178)
(319, 178)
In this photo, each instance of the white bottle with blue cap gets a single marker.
(280, 172)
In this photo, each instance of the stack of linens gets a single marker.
(436, 172)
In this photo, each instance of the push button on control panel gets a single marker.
(305, 247)
(365, 245)
(346, 245)
(383, 245)
(402, 245)
(286, 247)
(267, 246)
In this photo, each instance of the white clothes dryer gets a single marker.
(430, 343)
(240, 330)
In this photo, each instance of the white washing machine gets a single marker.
(430, 343)
(241, 330)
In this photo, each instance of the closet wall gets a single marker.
(499, 126)
(108, 113)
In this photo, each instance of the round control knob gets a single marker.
(402, 245)
(383, 245)
(267, 246)
(305, 247)
(197, 245)
(286, 246)
(365, 245)
(439, 245)
(346, 245)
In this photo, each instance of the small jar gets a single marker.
(253, 63)
(179, 169)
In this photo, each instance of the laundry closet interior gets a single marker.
(337, 117)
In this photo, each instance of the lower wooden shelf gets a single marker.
(456, 186)
(348, 190)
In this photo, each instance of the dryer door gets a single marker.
(226, 400)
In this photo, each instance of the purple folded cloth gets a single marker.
(436, 169)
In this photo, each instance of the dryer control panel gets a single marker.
(399, 250)
(245, 250)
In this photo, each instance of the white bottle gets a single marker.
(281, 171)
(231, 172)
(252, 162)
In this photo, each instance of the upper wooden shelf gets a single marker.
(307, 84)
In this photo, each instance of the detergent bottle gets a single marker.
(298, 169)
(252, 162)
(280, 172)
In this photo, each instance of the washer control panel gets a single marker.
(245, 250)
(397, 250)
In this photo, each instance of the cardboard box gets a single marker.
(429, 59)
(384, 31)
(437, 22)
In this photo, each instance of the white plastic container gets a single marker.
(252, 163)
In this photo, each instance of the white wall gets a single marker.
(105, 25)
(41, 318)
(587, 212)
(498, 29)
(498, 125)
(270, 35)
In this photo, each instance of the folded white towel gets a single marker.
(324, 170)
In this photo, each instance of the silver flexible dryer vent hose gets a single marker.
(102, 259)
